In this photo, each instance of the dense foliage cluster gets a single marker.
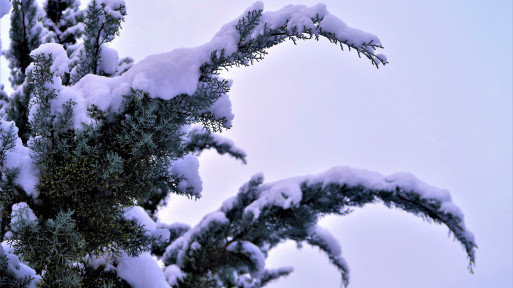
(83, 173)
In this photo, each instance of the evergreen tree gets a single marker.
(97, 145)
(25, 33)
(64, 21)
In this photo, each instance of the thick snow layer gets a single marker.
(23, 211)
(101, 91)
(17, 266)
(73, 30)
(375, 181)
(173, 274)
(287, 193)
(58, 54)
(138, 214)
(141, 272)
(108, 59)
(19, 157)
(222, 108)
(187, 169)
(228, 204)
(177, 72)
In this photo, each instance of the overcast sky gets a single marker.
(442, 110)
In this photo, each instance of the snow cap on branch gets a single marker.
(22, 211)
(108, 59)
(173, 274)
(141, 271)
(112, 7)
(170, 74)
(21, 270)
(186, 170)
(138, 214)
(60, 60)
(18, 157)
(401, 189)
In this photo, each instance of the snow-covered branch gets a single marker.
(265, 215)
(200, 139)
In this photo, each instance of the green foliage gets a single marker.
(222, 255)
(101, 278)
(91, 174)
(63, 247)
(25, 36)
(198, 141)
(101, 25)
(4, 99)
(63, 20)
(18, 111)
(11, 192)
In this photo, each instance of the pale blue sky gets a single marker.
(442, 110)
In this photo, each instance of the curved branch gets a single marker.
(266, 215)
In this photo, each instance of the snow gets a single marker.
(23, 211)
(175, 226)
(253, 252)
(334, 251)
(355, 37)
(187, 169)
(108, 59)
(111, 7)
(287, 193)
(353, 177)
(299, 15)
(283, 194)
(101, 91)
(5, 8)
(141, 271)
(228, 204)
(167, 75)
(173, 273)
(180, 245)
(19, 157)
(327, 238)
(17, 266)
(73, 30)
(37, 27)
(177, 72)
(219, 140)
(58, 55)
(138, 214)
(222, 108)
(99, 260)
